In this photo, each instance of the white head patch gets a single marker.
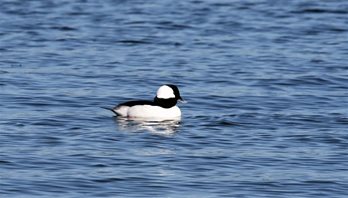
(165, 92)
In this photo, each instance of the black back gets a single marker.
(165, 103)
(137, 102)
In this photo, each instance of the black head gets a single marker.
(167, 96)
(176, 91)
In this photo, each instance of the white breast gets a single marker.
(148, 111)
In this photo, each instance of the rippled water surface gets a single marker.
(266, 84)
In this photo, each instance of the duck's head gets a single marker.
(167, 96)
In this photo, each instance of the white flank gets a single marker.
(148, 111)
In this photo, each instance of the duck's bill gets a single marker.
(182, 101)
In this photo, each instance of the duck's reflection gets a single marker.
(154, 126)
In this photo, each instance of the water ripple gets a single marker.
(266, 85)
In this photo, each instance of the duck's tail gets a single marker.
(110, 109)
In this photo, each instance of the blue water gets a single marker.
(266, 84)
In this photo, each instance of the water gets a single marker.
(266, 84)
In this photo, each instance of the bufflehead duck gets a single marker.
(163, 105)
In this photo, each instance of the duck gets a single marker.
(163, 106)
